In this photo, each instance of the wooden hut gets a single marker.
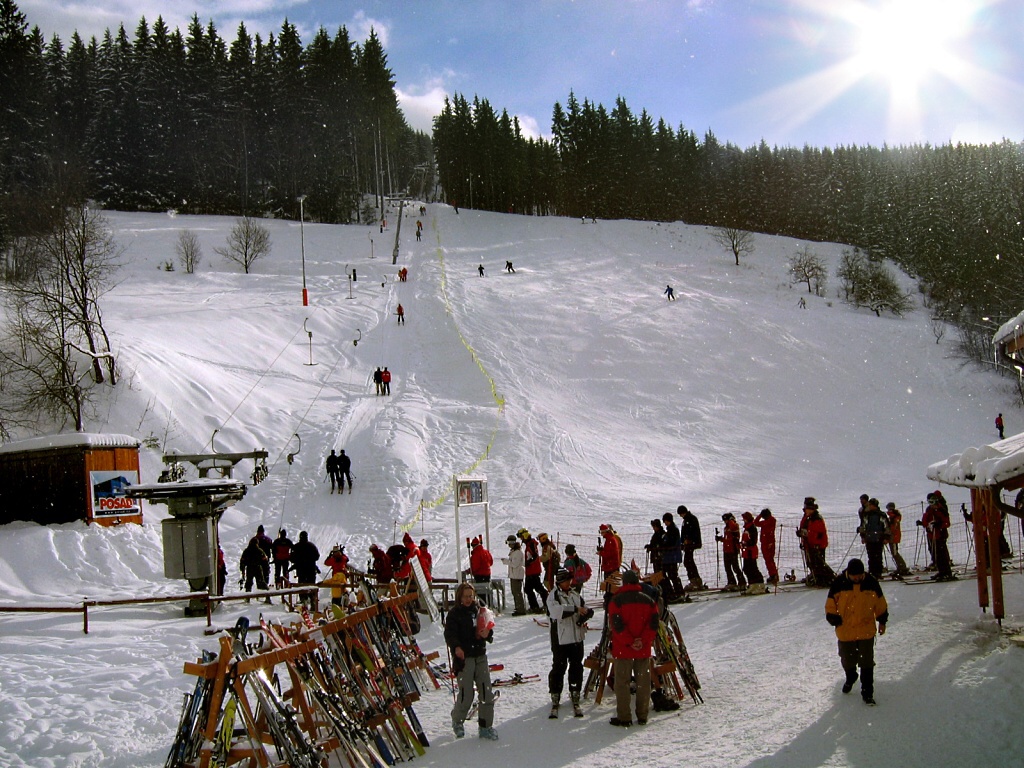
(987, 471)
(63, 478)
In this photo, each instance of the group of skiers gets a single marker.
(339, 469)
(533, 563)
(302, 557)
(382, 378)
(395, 563)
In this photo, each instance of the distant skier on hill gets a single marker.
(670, 293)
(331, 465)
(344, 472)
(480, 269)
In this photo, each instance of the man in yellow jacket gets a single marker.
(854, 606)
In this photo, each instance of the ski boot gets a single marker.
(553, 714)
(574, 696)
(488, 733)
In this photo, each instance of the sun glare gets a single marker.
(906, 40)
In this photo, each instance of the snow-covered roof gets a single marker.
(1009, 330)
(984, 466)
(71, 440)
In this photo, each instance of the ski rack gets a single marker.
(347, 687)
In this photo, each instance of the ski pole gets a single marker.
(917, 545)
(970, 537)
(718, 573)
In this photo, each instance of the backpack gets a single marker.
(582, 573)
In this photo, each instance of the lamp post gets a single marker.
(302, 248)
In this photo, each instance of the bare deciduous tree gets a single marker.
(739, 241)
(55, 336)
(808, 267)
(190, 253)
(247, 241)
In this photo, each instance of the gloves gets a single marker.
(834, 619)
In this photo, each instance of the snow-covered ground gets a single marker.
(584, 397)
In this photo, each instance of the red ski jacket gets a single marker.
(632, 615)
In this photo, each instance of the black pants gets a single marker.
(533, 588)
(875, 562)
(854, 654)
(751, 571)
(570, 656)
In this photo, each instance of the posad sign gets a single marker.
(108, 493)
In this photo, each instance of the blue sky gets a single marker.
(791, 72)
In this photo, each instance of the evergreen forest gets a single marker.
(163, 119)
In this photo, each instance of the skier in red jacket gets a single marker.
(633, 619)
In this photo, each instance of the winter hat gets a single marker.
(604, 528)
(855, 567)
(423, 543)
(630, 577)
(766, 512)
(542, 538)
(511, 539)
(681, 509)
(873, 502)
(570, 549)
(475, 542)
(407, 539)
(809, 503)
(523, 533)
(728, 516)
(748, 516)
(891, 505)
(562, 575)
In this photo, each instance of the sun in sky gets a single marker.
(906, 51)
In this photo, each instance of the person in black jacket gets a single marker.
(689, 534)
(305, 558)
(468, 645)
(344, 472)
(671, 554)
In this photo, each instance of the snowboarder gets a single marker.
(633, 619)
(765, 523)
(480, 269)
(999, 425)
(401, 314)
(467, 640)
(730, 540)
(670, 293)
(331, 465)
(378, 380)
(385, 381)
(282, 552)
(344, 465)
(855, 604)
(568, 615)
(509, 268)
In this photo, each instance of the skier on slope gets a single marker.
(344, 471)
(331, 465)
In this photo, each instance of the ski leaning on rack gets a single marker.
(670, 640)
(597, 662)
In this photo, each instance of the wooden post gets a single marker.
(979, 517)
